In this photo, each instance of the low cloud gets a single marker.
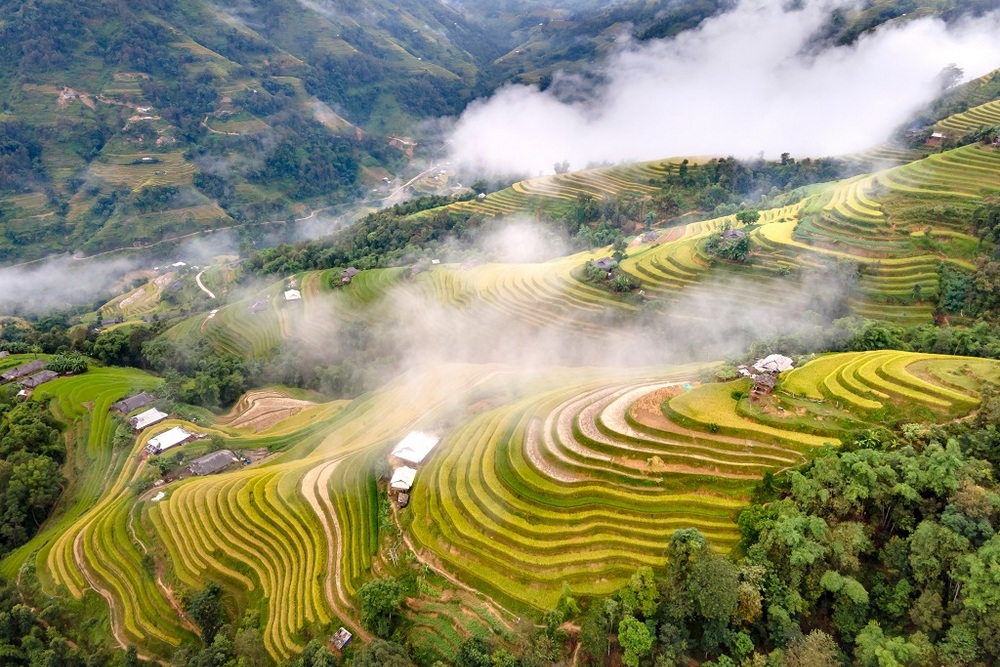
(58, 282)
(746, 81)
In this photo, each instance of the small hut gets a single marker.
(763, 386)
(341, 639)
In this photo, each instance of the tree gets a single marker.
(381, 653)
(474, 652)
(594, 634)
(634, 638)
(381, 600)
(875, 649)
(315, 654)
(713, 587)
(817, 649)
(206, 609)
(29, 488)
(748, 216)
(641, 594)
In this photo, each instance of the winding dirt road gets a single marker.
(201, 285)
(315, 489)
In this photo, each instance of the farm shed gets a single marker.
(210, 464)
(170, 438)
(341, 639)
(348, 274)
(147, 419)
(4, 353)
(733, 234)
(604, 263)
(39, 379)
(127, 405)
(763, 385)
(22, 371)
(293, 295)
(415, 447)
(402, 479)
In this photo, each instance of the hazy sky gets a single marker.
(738, 85)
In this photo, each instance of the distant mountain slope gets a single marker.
(124, 124)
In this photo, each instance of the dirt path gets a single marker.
(116, 629)
(167, 591)
(495, 607)
(314, 489)
(204, 124)
(201, 285)
(395, 194)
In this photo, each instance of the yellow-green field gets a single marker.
(542, 478)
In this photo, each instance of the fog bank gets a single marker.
(745, 82)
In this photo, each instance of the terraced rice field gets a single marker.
(840, 221)
(584, 483)
(552, 193)
(171, 169)
(575, 476)
(984, 115)
(966, 172)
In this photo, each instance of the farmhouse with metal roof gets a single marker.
(209, 464)
(127, 405)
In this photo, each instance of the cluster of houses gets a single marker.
(410, 452)
(764, 374)
(208, 464)
(29, 376)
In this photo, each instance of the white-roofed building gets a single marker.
(170, 438)
(293, 295)
(415, 447)
(402, 478)
(146, 419)
(774, 364)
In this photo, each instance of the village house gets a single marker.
(21, 371)
(604, 263)
(170, 438)
(292, 295)
(341, 639)
(402, 478)
(347, 275)
(401, 483)
(764, 374)
(132, 403)
(34, 381)
(4, 353)
(209, 464)
(415, 447)
(146, 419)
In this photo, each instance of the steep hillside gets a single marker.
(126, 124)
(543, 479)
